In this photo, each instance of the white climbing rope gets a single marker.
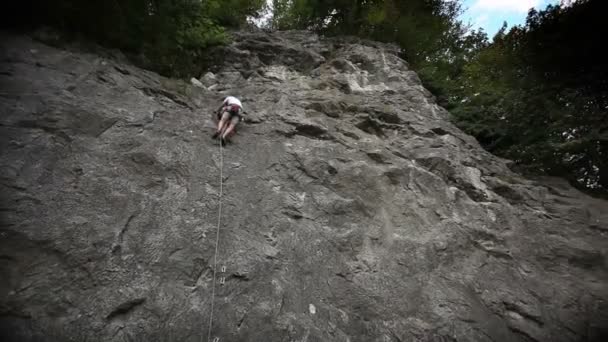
(217, 240)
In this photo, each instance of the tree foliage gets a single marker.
(539, 94)
(164, 35)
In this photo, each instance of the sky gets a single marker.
(490, 14)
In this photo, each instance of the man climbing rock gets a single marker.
(228, 115)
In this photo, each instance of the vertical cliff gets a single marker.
(352, 209)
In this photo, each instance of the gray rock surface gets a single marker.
(196, 83)
(352, 211)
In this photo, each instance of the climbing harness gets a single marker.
(217, 240)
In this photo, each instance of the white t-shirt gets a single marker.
(231, 100)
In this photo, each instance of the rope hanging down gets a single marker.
(217, 240)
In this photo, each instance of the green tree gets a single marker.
(539, 94)
(164, 35)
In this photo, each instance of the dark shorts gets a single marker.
(233, 110)
(235, 113)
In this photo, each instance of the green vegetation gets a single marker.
(538, 94)
(167, 36)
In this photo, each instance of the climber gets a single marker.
(228, 116)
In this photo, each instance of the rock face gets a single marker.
(352, 209)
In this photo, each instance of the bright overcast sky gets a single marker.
(490, 14)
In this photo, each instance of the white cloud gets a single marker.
(506, 5)
(567, 3)
(481, 20)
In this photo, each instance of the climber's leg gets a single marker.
(222, 123)
(233, 122)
